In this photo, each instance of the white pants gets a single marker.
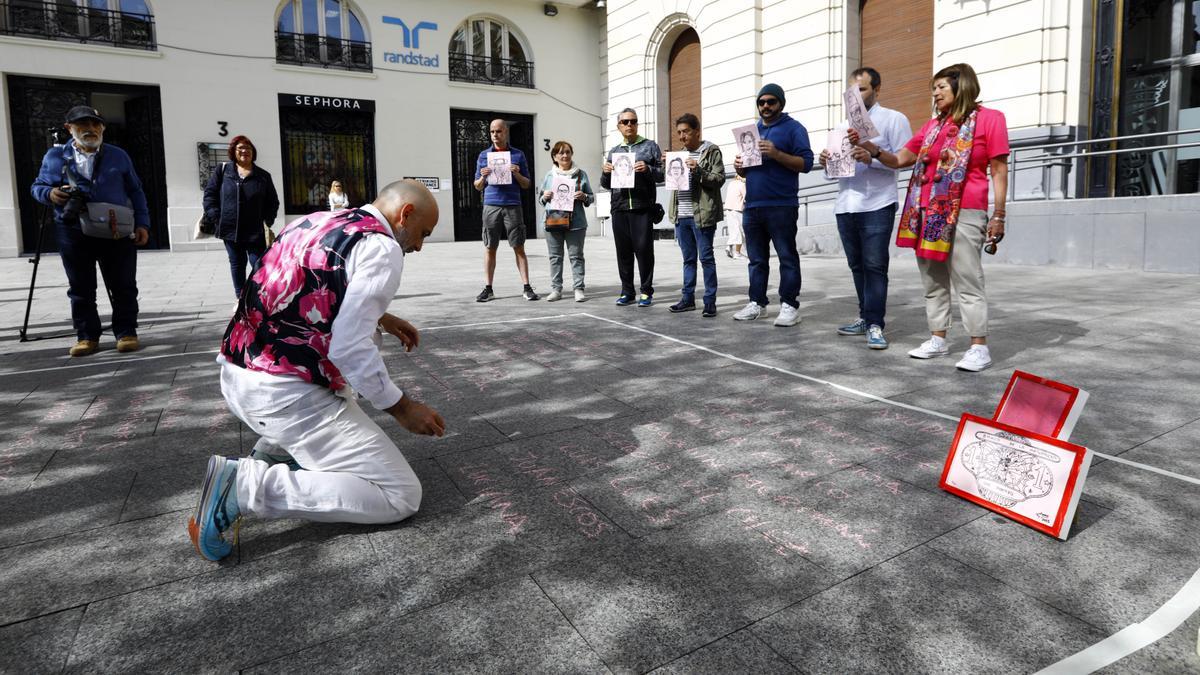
(353, 473)
(964, 271)
(733, 223)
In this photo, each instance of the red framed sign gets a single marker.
(1040, 405)
(1031, 478)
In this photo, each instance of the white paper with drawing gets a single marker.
(562, 194)
(841, 162)
(747, 139)
(622, 173)
(678, 177)
(856, 113)
(501, 165)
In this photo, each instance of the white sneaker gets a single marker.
(930, 349)
(554, 296)
(977, 358)
(788, 316)
(580, 296)
(750, 312)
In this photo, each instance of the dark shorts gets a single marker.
(503, 222)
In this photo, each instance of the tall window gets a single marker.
(120, 23)
(486, 50)
(322, 33)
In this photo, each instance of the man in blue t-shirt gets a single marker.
(772, 206)
(502, 216)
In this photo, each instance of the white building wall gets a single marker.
(216, 61)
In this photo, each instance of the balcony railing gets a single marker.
(299, 49)
(57, 21)
(489, 70)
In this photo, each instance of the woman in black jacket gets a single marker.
(239, 200)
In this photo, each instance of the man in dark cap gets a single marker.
(100, 217)
(772, 206)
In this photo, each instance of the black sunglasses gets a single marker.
(627, 122)
(767, 101)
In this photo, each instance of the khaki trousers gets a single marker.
(964, 271)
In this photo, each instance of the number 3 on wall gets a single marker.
(224, 128)
(547, 142)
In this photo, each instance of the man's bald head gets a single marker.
(498, 130)
(412, 211)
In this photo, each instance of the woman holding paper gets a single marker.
(945, 213)
(565, 227)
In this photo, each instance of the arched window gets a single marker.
(323, 33)
(489, 51)
(120, 23)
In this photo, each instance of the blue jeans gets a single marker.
(117, 259)
(865, 238)
(775, 225)
(238, 253)
(697, 242)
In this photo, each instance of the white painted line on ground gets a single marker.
(1132, 638)
(1109, 650)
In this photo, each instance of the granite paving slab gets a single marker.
(666, 595)
(487, 631)
(231, 618)
(59, 502)
(923, 612)
(739, 652)
(39, 645)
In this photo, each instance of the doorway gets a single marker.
(133, 122)
(891, 27)
(469, 136)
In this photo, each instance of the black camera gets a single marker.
(75, 204)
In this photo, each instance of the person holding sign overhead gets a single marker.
(565, 191)
(866, 209)
(696, 209)
(502, 216)
(945, 211)
(772, 206)
(632, 207)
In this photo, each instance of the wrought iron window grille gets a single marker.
(306, 49)
(85, 25)
(491, 70)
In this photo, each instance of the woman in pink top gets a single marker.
(945, 213)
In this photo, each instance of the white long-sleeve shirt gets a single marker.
(874, 186)
(373, 273)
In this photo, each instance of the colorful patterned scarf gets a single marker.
(931, 230)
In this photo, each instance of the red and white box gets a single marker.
(1032, 478)
(1040, 405)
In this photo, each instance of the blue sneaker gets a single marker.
(645, 300)
(859, 327)
(272, 460)
(875, 339)
(217, 512)
(624, 300)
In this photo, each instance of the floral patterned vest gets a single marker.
(285, 316)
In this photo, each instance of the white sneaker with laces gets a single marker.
(930, 349)
(580, 296)
(750, 312)
(788, 316)
(977, 358)
(555, 295)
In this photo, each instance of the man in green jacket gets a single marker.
(696, 212)
(632, 209)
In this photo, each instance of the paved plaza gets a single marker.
(620, 489)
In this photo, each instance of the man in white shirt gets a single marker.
(304, 339)
(866, 211)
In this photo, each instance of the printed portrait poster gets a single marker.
(841, 163)
(1033, 479)
(678, 177)
(562, 190)
(856, 113)
(501, 165)
(747, 139)
(622, 173)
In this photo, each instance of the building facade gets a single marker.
(1062, 71)
(364, 92)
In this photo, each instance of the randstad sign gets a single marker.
(412, 42)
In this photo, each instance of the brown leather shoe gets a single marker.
(84, 347)
(129, 343)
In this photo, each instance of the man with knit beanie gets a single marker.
(772, 206)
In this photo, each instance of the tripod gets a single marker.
(36, 261)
